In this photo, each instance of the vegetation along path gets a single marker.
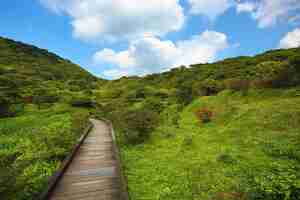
(93, 173)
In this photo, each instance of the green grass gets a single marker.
(32, 147)
(250, 150)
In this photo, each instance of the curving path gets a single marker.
(93, 173)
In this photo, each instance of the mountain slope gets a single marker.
(29, 74)
(25, 60)
(38, 126)
(222, 131)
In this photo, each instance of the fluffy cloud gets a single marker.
(151, 55)
(266, 12)
(270, 12)
(114, 19)
(245, 7)
(210, 8)
(122, 58)
(290, 40)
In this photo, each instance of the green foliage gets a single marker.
(84, 102)
(27, 71)
(207, 87)
(249, 151)
(138, 125)
(154, 104)
(184, 94)
(32, 146)
(278, 181)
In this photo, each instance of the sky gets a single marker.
(115, 38)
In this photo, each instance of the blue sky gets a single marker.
(136, 37)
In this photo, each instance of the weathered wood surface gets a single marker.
(93, 173)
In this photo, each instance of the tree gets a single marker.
(184, 94)
(9, 95)
(4, 107)
(139, 124)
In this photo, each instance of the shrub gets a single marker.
(188, 140)
(153, 104)
(204, 115)
(230, 196)
(79, 121)
(41, 100)
(184, 94)
(226, 158)
(138, 125)
(237, 84)
(260, 83)
(279, 182)
(279, 74)
(207, 87)
(4, 109)
(170, 115)
(82, 102)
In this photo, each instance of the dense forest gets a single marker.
(227, 130)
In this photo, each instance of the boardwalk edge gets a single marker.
(54, 179)
(124, 185)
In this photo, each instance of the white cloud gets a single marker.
(270, 12)
(122, 59)
(291, 39)
(114, 19)
(210, 8)
(245, 7)
(266, 12)
(151, 55)
(115, 73)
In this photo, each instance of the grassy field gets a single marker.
(249, 150)
(33, 145)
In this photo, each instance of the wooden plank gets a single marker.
(93, 173)
(53, 180)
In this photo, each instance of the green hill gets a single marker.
(222, 131)
(27, 72)
(38, 124)
(30, 63)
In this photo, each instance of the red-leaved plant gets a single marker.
(204, 115)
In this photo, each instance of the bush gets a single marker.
(188, 140)
(153, 104)
(80, 120)
(226, 158)
(207, 87)
(82, 102)
(237, 84)
(279, 182)
(184, 94)
(4, 109)
(138, 125)
(260, 83)
(204, 115)
(279, 74)
(230, 196)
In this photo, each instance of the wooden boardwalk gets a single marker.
(93, 173)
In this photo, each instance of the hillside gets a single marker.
(24, 61)
(40, 120)
(27, 72)
(226, 130)
(248, 151)
(222, 131)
